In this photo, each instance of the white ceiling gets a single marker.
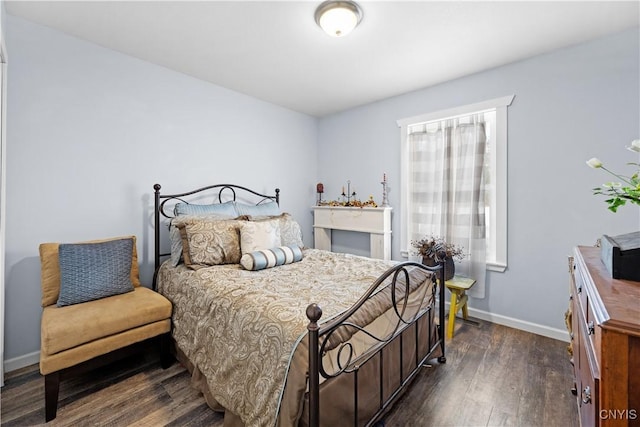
(274, 51)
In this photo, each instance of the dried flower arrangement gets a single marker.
(438, 249)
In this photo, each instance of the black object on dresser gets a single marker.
(621, 255)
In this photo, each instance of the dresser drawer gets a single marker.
(594, 334)
(587, 320)
(575, 330)
(588, 373)
(587, 389)
(581, 292)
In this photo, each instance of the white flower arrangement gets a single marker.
(626, 188)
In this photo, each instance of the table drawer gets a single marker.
(594, 333)
(588, 383)
(587, 320)
(581, 290)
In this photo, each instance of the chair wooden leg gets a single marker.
(453, 310)
(51, 389)
(166, 358)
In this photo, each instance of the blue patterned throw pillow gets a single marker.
(90, 271)
(267, 258)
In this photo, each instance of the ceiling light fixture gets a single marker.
(338, 18)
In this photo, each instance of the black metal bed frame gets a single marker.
(320, 334)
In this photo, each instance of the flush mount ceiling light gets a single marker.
(338, 18)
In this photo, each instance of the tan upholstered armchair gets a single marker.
(95, 310)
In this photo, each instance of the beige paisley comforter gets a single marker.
(240, 328)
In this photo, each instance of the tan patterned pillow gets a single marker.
(209, 241)
(258, 235)
(176, 238)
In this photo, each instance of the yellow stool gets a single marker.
(458, 286)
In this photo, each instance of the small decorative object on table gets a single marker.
(435, 249)
(385, 201)
(346, 197)
(319, 191)
(621, 254)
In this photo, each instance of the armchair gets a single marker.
(95, 310)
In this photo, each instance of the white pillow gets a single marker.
(290, 231)
(255, 236)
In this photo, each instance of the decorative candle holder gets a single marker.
(319, 191)
(385, 201)
(348, 195)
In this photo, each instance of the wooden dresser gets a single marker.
(605, 337)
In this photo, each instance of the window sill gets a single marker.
(494, 266)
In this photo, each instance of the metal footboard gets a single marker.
(319, 340)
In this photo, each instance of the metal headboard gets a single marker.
(160, 208)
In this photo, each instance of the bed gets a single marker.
(241, 282)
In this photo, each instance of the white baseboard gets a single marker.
(523, 325)
(21, 361)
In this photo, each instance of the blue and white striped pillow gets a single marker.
(267, 258)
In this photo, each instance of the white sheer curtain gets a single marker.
(446, 189)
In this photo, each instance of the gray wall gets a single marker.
(89, 131)
(569, 106)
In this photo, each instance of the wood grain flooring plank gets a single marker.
(557, 399)
(513, 358)
(531, 403)
(186, 402)
(202, 415)
(472, 413)
(441, 403)
(490, 370)
(502, 419)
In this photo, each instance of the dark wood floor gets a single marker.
(494, 376)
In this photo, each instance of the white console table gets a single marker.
(374, 221)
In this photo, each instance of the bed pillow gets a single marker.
(290, 230)
(50, 268)
(259, 235)
(176, 244)
(90, 271)
(263, 209)
(228, 209)
(208, 241)
(176, 238)
(268, 258)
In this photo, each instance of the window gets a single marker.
(492, 116)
